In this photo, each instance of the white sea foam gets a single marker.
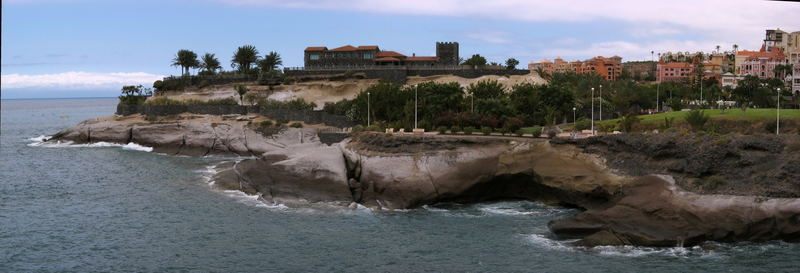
(542, 240)
(136, 147)
(41, 141)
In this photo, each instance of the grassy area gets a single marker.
(732, 114)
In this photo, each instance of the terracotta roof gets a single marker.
(344, 48)
(369, 47)
(389, 54)
(387, 59)
(316, 48)
(422, 58)
(675, 65)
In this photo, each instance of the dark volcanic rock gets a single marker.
(655, 212)
(749, 165)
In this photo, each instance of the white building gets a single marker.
(794, 60)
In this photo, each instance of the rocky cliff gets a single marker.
(602, 175)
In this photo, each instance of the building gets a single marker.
(365, 56)
(686, 71)
(640, 70)
(558, 65)
(608, 68)
(730, 80)
(674, 71)
(762, 63)
(794, 60)
(777, 38)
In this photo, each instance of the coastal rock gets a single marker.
(405, 172)
(655, 212)
(303, 171)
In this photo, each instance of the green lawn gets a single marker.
(732, 114)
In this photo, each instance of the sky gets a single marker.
(90, 48)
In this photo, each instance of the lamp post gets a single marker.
(601, 102)
(368, 109)
(573, 115)
(471, 103)
(415, 106)
(778, 123)
(592, 110)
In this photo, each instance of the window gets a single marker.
(368, 55)
(313, 57)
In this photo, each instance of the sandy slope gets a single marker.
(321, 92)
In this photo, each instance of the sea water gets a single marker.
(117, 207)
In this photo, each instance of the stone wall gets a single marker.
(306, 116)
(400, 74)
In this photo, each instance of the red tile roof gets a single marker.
(421, 58)
(316, 48)
(387, 59)
(344, 48)
(389, 54)
(370, 47)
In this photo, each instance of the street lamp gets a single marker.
(368, 109)
(573, 115)
(778, 123)
(601, 102)
(592, 110)
(415, 105)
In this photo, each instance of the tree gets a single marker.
(511, 63)
(209, 63)
(270, 61)
(241, 90)
(475, 60)
(486, 89)
(244, 57)
(542, 73)
(186, 59)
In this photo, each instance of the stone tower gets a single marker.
(447, 53)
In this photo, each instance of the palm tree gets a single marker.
(244, 57)
(270, 61)
(241, 90)
(185, 59)
(717, 48)
(209, 62)
(542, 73)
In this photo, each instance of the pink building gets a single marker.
(762, 63)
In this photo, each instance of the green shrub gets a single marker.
(711, 182)
(519, 133)
(468, 130)
(627, 121)
(607, 127)
(296, 104)
(697, 119)
(668, 121)
(583, 124)
(225, 101)
(537, 132)
(357, 128)
(424, 124)
(442, 129)
(296, 125)
(266, 123)
(163, 101)
(455, 129)
(373, 128)
(486, 130)
(675, 104)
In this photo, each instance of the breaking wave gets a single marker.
(42, 141)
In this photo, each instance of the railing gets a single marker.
(391, 67)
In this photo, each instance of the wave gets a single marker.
(42, 141)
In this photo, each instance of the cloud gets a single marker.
(723, 20)
(77, 80)
(632, 50)
(495, 37)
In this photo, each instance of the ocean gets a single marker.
(120, 208)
